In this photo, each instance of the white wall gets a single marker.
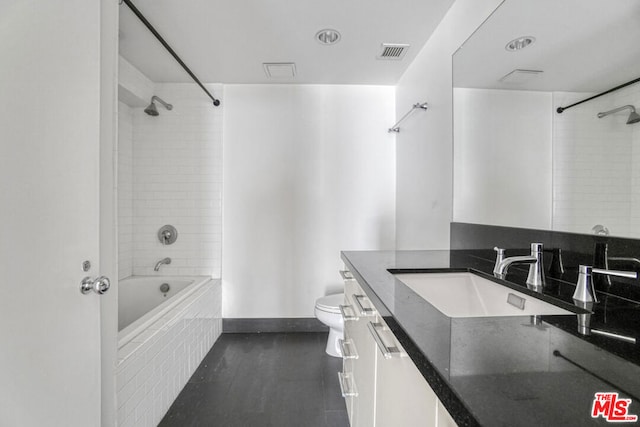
(134, 88)
(424, 145)
(177, 180)
(108, 206)
(125, 191)
(634, 214)
(308, 171)
(502, 157)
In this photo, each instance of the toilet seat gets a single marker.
(330, 303)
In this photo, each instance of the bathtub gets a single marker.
(163, 336)
(141, 302)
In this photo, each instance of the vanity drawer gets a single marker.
(356, 298)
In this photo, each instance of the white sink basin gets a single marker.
(468, 295)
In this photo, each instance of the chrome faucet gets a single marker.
(162, 261)
(535, 279)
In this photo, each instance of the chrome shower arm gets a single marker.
(615, 110)
(166, 104)
(633, 116)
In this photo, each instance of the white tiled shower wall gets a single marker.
(169, 172)
(176, 179)
(596, 173)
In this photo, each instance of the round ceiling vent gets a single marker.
(519, 43)
(328, 36)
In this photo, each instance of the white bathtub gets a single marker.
(165, 340)
(141, 302)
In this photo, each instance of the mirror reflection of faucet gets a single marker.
(556, 269)
(535, 279)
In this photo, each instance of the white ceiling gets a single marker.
(581, 45)
(227, 41)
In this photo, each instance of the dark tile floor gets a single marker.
(267, 379)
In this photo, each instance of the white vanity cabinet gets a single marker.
(359, 355)
(403, 397)
(387, 390)
(444, 418)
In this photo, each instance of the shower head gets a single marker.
(633, 116)
(152, 110)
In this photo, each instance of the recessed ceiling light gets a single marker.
(519, 43)
(328, 36)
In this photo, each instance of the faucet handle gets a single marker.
(536, 248)
(618, 273)
(557, 267)
(584, 288)
(535, 279)
(499, 259)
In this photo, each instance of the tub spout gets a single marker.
(162, 261)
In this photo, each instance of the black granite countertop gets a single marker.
(505, 371)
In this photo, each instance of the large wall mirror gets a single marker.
(517, 162)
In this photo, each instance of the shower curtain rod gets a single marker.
(561, 109)
(396, 128)
(141, 17)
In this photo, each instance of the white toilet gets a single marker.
(328, 312)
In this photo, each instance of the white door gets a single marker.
(49, 212)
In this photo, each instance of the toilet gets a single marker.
(328, 312)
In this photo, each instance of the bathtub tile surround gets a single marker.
(154, 365)
(176, 178)
(170, 172)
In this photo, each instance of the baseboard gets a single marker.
(298, 324)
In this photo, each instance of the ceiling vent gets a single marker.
(520, 76)
(392, 51)
(279, 70)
